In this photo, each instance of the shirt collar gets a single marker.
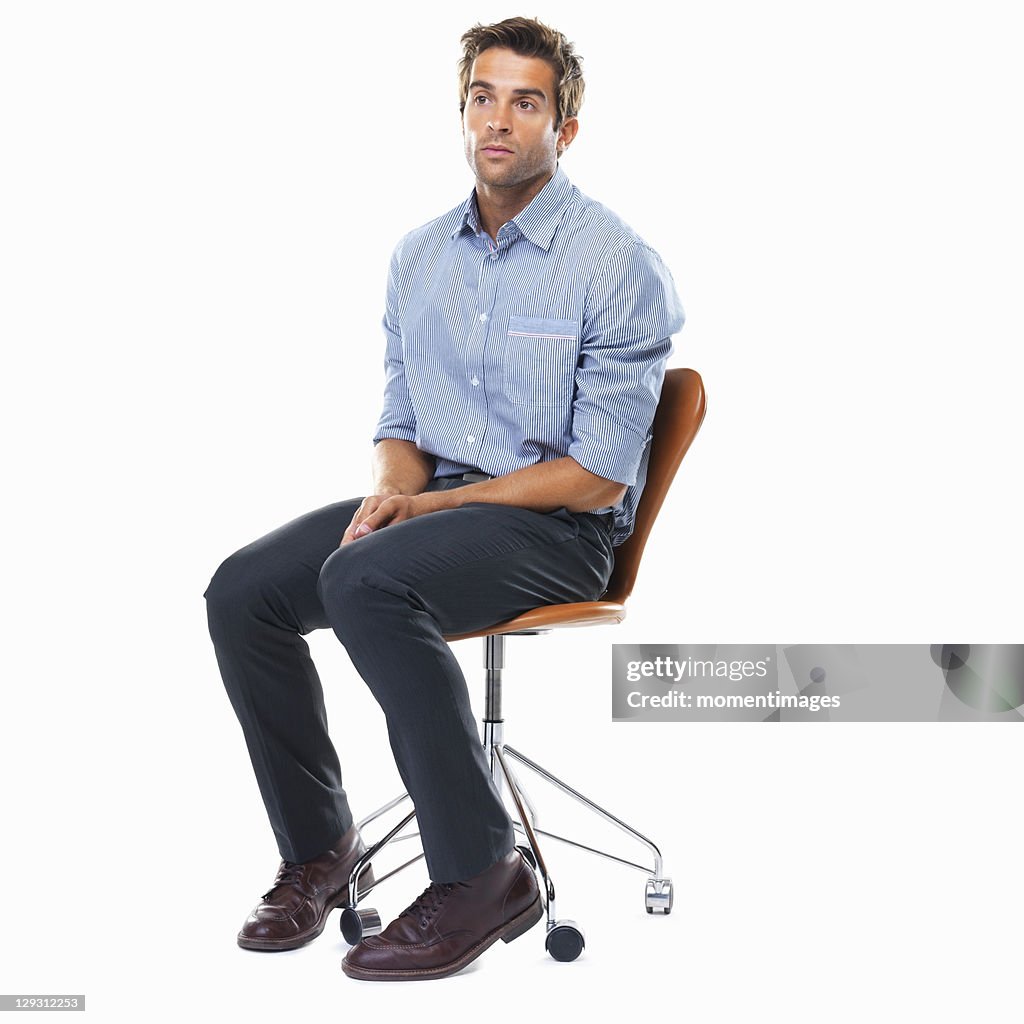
(538, 221)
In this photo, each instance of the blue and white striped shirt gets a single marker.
(552, 342)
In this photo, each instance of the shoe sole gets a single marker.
(507, 932)
(300, 940)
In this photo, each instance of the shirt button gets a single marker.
(474, 381)
(494, 255)
(471, 439)
(483, 318)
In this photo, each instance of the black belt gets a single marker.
(475, 476)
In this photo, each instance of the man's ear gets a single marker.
(570, 126)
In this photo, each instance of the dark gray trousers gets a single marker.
(389, 597)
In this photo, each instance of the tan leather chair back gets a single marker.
(681, 409)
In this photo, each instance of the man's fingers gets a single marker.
(368, 505)
(385, 512)
(374, 521)
(350, 532)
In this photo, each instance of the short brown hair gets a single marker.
(528, 38)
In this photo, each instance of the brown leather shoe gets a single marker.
(296, 909)
(451, 924)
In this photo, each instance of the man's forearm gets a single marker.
(399, 467)
(542, 487)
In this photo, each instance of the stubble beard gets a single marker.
(514, 174)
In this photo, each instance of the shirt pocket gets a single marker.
(539, 362)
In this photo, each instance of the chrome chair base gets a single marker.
(564, 939)
(359, 924)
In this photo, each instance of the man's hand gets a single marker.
(380, 510)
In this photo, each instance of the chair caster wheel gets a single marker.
(527, 853)
(658, 896)
(564, 941)
(359, 924)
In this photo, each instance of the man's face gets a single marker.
(509, 120)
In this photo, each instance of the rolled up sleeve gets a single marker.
(631, 314)
(398, 418)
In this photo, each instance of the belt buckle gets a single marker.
(475, 477)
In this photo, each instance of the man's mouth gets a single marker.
(496, 149)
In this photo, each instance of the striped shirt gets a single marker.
(552, 342)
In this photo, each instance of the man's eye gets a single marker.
(527, 104)
(478, 97)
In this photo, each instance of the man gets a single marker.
(527, 332)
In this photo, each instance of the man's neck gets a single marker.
(497, 206)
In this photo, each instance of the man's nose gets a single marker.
(499, 123)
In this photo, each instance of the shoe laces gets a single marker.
(430, 901)
(290, 873)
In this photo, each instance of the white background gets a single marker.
(198, 205)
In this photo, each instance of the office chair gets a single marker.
(679, 415)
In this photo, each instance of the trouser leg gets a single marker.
(259, 603)
(392, 595)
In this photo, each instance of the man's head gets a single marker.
(520, 87)
(528, 38)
